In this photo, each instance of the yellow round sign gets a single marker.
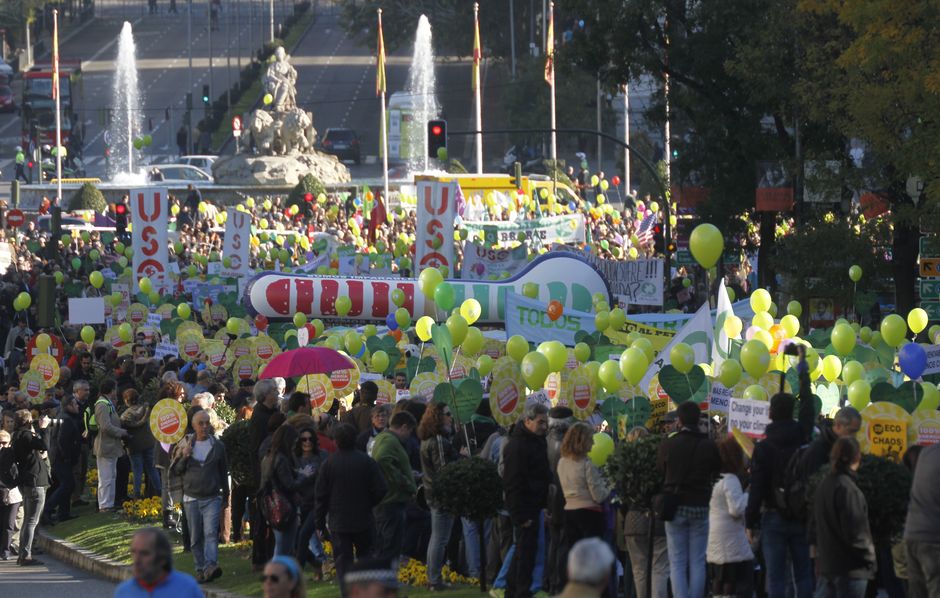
(320, 389)
(423, 385)
(137, 314)
(244, 367)
(887, 430)
(189, 345)
(214, 351)
(345, 381)
(265, 348)
(46, 365)
(34, 385)
(927, 426)
(507, 392)
(168, 421)
(387, 393)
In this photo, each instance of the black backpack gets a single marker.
(9, 472)
(789, 483)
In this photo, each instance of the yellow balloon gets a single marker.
(423, 328)
(831, 368)
(917, 320)
(471, 309)
(763, 320)
(733, 326)
(765, 338)
(791, 324)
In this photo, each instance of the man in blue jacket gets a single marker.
(152, 567)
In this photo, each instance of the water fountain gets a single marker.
(421, 89)
(125, 94)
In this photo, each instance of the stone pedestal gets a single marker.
(246, 169)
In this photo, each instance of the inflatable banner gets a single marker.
(566, 277)
(149, 217)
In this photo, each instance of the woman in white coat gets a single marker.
(729, 551)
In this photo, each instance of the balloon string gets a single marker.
(418, 363)
(453, 364)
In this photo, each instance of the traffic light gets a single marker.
(659, 244)
(120, 219)
(205, 95)
(437, 139)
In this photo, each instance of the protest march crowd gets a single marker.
(349, 484)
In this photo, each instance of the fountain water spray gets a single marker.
(125, 122)
(421, 87)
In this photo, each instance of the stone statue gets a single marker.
(280, 81)
(297, 132)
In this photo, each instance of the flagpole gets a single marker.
(551, 58)
(58, 110)
(383, 132)
(477, 56)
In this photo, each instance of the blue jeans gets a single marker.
(141, 463)
(285, 542)
(203, 518)
(471, 543)
(780, 539)
(686, 539)
(441, 525)
(537, 573)
(840, 586)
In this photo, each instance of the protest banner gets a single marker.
(697, 333)
(541, 231)
(480, 263)
(236, 244)
(527, 317)
(658, 337)
(635, 282)
(719, 398)
(149, 237)
(436, 210)
(748, 416)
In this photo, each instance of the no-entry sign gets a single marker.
(236, 126)
(15, 218)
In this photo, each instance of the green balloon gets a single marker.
(402, 317)
(76, 263)
(535, 369)
(517, 347)
(445, 296)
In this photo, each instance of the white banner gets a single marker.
(541, 231)
(480, 263)
(437, 208)
(149, 239)
(633, 282)
(933, 360)
(235, 245)
(750, 417)
(697, 333)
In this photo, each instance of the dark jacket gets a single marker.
(526, 474)
(33, 469)
(690, 463)
(259, 431)
(839, 529)
(136, 420)
(208, 479)
(782, 439)
(307, 471)
(349, 486)
(69, 440)
(281, 473)
(362, 441)
(436, 452)
(817, 453)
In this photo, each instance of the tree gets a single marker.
(872, 71)
(88, 197)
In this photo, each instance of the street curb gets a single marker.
(99, 566)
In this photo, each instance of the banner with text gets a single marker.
(149, 238)
(436, 210)
(634, 282)
(480, 263)
(235, 246)
(527, 317)
(750, 417)
(538, 231)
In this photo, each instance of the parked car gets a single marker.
(342, 143)
(44, 223)
(7, 99)
(184, 174)
(201, 162)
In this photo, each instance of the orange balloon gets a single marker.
(779, 335)
(396, 334)
(555, 309)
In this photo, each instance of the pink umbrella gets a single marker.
(307, 360)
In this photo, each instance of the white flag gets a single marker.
(697, 333)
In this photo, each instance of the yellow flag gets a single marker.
(380, 66)
(477, 53)
(550, 48)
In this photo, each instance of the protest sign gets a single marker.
(748, 416)
(887, 430)
(149, 237)
(436, 210)
(236, 244)
(540, 231)
(86, 311)
(634, 282)
(719, 398)
(480, 263)
(527, 317)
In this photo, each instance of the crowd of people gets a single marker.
(349, 480)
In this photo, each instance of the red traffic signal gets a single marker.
(437, 138)
(436, 130)
(120, 209)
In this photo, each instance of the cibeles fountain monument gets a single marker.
(277, 145)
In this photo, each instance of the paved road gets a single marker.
(52, 580)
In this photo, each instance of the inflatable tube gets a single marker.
(567, 277)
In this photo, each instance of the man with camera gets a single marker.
(29, 453)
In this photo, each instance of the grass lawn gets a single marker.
(109, 534)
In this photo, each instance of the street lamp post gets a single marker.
(189, 38)
(272, 21)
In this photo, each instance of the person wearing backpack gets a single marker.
(10, 497)
(108, 445)
(776, 507)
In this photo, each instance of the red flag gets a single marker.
(377, 217)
